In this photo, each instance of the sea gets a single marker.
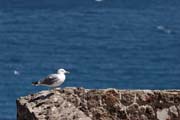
(123, 44)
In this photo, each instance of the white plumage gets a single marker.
(53, 80)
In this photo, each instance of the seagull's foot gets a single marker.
(57, 88)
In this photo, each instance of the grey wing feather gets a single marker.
(49, 80)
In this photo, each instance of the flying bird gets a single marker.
(53, 80)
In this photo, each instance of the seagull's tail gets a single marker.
(35, 83)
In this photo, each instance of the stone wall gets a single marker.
(106, 104)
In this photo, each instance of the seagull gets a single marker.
(52, 80)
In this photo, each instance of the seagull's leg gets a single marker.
(51, 88)
(58, 88)
(55, 88)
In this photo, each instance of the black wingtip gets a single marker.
(35, 83)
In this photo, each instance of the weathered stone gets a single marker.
(173, 111)
(107, 104)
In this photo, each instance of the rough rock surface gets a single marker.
(107, 104)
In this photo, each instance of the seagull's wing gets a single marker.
(49, 80)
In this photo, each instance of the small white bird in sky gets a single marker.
(53, 80)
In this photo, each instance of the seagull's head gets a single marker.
(62, 71)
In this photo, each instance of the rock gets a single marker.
(107, 104)
(173, 111)
(163, 114)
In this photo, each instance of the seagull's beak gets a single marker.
(67, 72)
